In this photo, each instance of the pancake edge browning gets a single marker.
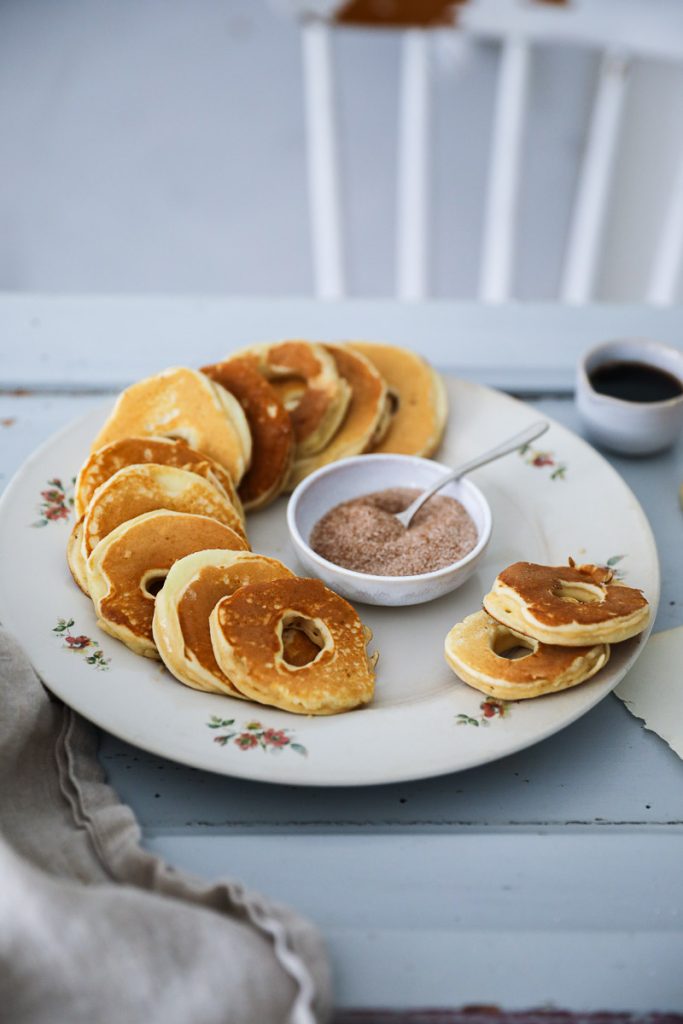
(396, 364)
(322, 406)
(525, 597)
(165, 451)
(100, 582)
(175, 489)
(247, 630)
(167, 629)
(209, 422)
(270, 425)
(549, 668)
(342, 444)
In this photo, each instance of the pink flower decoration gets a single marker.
(275, 737)
(77, 643)
(246, 740)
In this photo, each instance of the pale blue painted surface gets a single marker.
(519, 920)
(551, 876)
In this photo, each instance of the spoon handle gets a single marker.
(504, 448)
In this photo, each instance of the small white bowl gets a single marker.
(351, 478)
(632, 428)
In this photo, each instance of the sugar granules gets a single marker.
(363, 534)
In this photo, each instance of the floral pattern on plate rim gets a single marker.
(253, 735)
(82, 644)
(56, 502)
(543, 459)
(612, 564)
(490, 708)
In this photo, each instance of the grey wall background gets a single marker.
(158, 145)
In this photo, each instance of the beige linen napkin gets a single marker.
(95, 929)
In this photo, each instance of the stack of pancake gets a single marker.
(309, 404)
(544, 628)
(160, 542)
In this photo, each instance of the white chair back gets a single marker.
(621, 30)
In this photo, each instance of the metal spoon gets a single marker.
(504, 448)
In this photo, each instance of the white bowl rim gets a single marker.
(366, 577)
(644, 344)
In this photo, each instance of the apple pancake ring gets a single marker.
(75, 557)
(420, 406)
(365, 416)
(246, 633)
(183, 403)
(127, 568)
(475, 649)
(192, 589)
(271, 428)
(163, 451)
(137, 489)
(304, 375)
(567, 604)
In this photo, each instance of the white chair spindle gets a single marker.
(323, 163)
(518, 26)
(413, 168)
(504, 171)
(667, 268)
(591, 204)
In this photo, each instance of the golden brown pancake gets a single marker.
(183, 403)
(246, 633)
(137, 489)
(75, 557)
(417, 395)
(365, 414)
(193, 588)
(317, 395)
(270, 425)
(163, 451)
(128, 567)
(567, 604)
(475, 649)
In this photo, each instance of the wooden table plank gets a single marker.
(26, 421)
(100, 341)
(487, 1014)
(509, 919)
(605, 771)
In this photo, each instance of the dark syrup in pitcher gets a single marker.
(635, 382)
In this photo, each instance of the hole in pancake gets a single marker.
(290, 391)
(393, 401)
(578, 593)
(298, 649)
(384, 421)
(515, 653)
(510, 645)
(303, 640)
(152, 582)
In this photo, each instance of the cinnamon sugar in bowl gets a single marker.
(364, 475)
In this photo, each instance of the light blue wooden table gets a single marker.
(551, 878)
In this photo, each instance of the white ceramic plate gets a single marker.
(561, 500)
